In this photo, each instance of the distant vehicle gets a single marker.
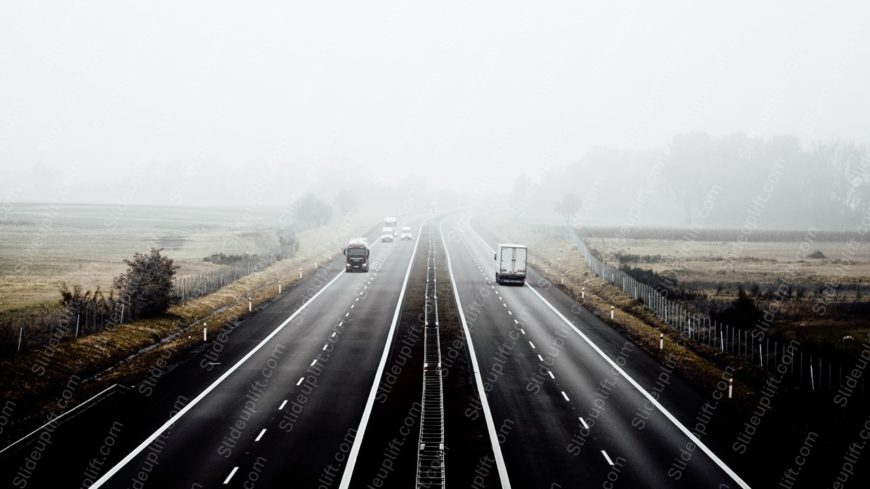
(406, 234)
(510, 263)
(357, 253)
(388, 235)
(392, 223)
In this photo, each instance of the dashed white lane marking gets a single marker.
(351, 306)
(509, 312)
(313, 363)
(565, 396)
(583, 422)
(680, 426)
(260, 435)
(487, 415)
(340, 323)
(531, 344)
(332, 335)
(281, 407)
(550, 373)
(355, 448)
(607, 457)
(193, 402)
(503, 304)
(346, 314)
(324, 347)
(232, 473)
(515, 321)
(522, 331)
(301, 379)
(357, 299)
(540, 358)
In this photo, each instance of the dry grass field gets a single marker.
(828, 302)
(702, 265)
(42, 245)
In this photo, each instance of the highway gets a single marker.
(288, 400)
(290, 411)
(565, 413)
(282, 402)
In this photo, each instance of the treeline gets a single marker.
(733, 182)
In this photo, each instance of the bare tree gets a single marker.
(568, 206)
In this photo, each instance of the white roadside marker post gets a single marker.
(583, 293)
(279, 286)
(612, 312)
(661, 341)
(204, 332)
(249, 304)
(730, 387)
(300, 272)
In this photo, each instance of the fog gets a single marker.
(642, 109)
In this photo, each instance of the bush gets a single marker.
(742, 312)
(147, 284)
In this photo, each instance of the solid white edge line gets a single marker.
(697, 441)
(142, 446)
(694, 439)
(232, 473)
(490, 425)
(55, 420)
(347, 475)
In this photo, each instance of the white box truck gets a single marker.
(510, 263)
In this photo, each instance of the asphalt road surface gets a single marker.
(565, 413)
(282, 403)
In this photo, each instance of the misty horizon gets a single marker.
(240, 107)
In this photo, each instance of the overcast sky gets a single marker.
(112, 95)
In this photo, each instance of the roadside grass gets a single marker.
(123, 353)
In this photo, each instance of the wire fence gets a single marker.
(53, 324)
(784, 362)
